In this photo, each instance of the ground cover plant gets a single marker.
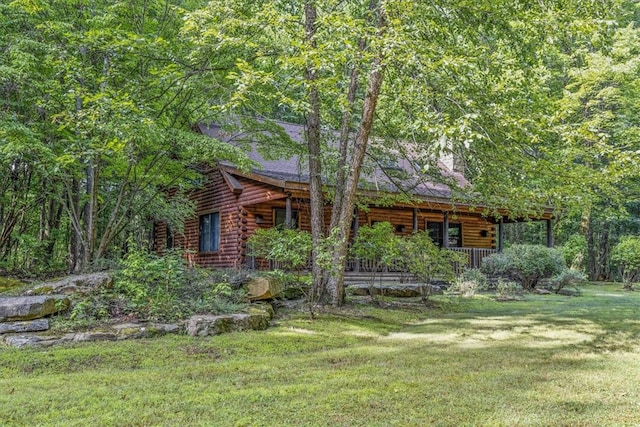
(540, 361)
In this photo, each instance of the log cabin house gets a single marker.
(231, 204)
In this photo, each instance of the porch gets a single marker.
(358, 270)
(474, 256)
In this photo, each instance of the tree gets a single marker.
(447, 76)
(626, 255)
(100, 101)
(598, 121)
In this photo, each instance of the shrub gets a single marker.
(525, 264)
(574, 251)
(470, 282)
(291, 248)
(507, 290)
(565, 278)
(626, 256)
(379, 245)
(425, 260)
(151, 287)
(150, 282)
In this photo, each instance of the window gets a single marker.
(436, 232)
(209, 232)
(280, 218)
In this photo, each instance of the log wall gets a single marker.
(236, 222)
(241, 213)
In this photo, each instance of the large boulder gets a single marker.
(206, 324)
(31, 307)
(77, 283)
(262, 288)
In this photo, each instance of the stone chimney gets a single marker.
(453, 161)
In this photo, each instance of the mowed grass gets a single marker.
(545, 361)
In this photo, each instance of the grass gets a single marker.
(547, 360)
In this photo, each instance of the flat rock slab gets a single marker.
(37, 325)
(20, 341)
(118, 332)
(31, 307)
(125, 331)
(397, 291)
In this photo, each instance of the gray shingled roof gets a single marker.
(294, 168)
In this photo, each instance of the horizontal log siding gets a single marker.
(236, 222)
(160, 237)
(238, 214)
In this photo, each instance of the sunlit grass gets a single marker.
(544, 361)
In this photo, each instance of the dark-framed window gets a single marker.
(210, 232)
(280, 218)
(436, 232)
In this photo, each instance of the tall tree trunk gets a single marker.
(335, 283)
(315, 165)
(343, 152)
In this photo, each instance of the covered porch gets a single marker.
(457, 228)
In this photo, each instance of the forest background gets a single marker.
(99, 100)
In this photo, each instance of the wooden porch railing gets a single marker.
(474, 256)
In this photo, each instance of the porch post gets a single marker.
(500, 234)
(445, 231)
(549, 234)
(415, 220)
(356, 264)
(287, 213)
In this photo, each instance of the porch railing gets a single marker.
(474, 257)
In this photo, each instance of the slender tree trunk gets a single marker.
(89, 215)
(315, 165)
(603, 256)
(76, 240)
(345, 131)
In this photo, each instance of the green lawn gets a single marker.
(545, 361)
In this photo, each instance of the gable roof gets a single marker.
(401, 175)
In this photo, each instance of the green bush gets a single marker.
(565, 278)
(161, 288)
(426, 261)
(507, 290)
(290, 248)
(471, 281)
(379, 245)
(575, 251)
(626, 256)
(525, 264)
